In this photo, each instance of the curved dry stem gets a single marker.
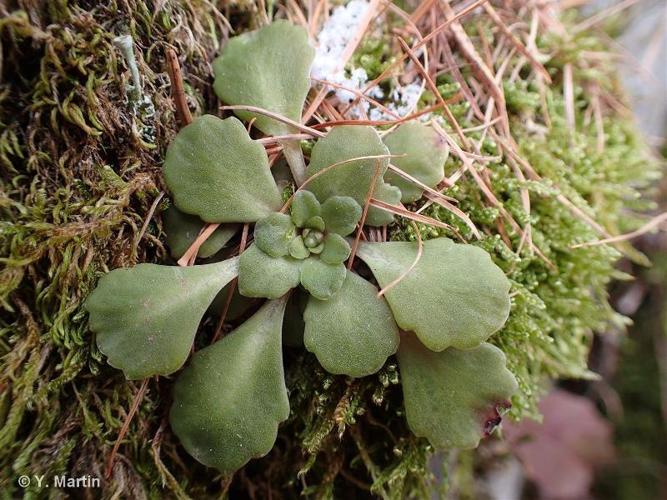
(138, 398)
(400, 277)
(188, 258)
(649, 226)
(232, 288)
(404, 212)
(275, 116)
(439, 198)
(329, 167)
(364, 213)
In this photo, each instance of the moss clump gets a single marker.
(81, 188)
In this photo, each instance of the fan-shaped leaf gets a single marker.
(454, 296)
(146, 317)
(425, 152)
(336, 249)
(341, 214)
(352, 333)
(304, 207)
(353, 178)
(316, 223)
(229, 401)
(182, 230)
(322, 280)
(261, 275)
(273, 234)
(452, 397)
(268, 68)
(217, 172)
(297, 248)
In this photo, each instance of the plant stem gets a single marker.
(295, 160)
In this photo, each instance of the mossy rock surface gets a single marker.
(82, 192)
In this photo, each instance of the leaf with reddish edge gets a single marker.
(453, 397)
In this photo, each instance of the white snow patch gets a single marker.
(403, 102)
(334, 36)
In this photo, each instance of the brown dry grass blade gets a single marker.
(439, 198)
(654, 223)
(139, 396)
(400, 277)
(404, 212)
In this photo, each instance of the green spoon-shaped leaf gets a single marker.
(297, 249)
(261, 275)
(452, 397)
(352, 178)
(425, 152)
(268, 68)
(304, 207)
(454, 296)
(322, 280)
(146, 317)
(217, 172)
(229, 401)
(341, 214)
(182, 230)
(354, 332)
(336, 249)
(273, 234)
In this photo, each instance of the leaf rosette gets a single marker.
(309, 243)
(440, 301)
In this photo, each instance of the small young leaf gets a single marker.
(318, 249)
(312, 238)
(297, 249)
(273, 234)
(182, 230)
(426, 153)
(336, 249)
(268, 68)
(229, 401)
(261, 275)
(454, 296)
(354, 332)
(216, 171)
(322, 280)
(353, 178)
(146, 317)
(316, 223)
(304, 206)
(341, 214)
(452, 397)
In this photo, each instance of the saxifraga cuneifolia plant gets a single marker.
(440, 300)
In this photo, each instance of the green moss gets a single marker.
(80, 169)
